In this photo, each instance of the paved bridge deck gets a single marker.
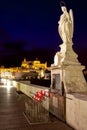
(12, 117)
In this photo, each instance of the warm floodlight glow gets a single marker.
(8, 86)
(3, 81)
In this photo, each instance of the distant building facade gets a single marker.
(36, 64)
(27, 68)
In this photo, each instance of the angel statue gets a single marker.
(65, 27)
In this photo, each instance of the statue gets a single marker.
(65, 27)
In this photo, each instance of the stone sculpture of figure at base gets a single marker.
(65, 27)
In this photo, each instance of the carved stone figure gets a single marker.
(66, 60)
(65, 27)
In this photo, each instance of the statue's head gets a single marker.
(63, 6)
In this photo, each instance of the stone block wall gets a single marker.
(76, 111)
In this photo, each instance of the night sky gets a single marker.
(29, 29)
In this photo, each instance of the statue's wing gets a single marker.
(72, 21)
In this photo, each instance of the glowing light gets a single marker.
(8, 86)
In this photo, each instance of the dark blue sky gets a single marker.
(28, 25)
(31, 21)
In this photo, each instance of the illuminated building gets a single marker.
(26, 67)
(36, 64)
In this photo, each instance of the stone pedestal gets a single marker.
(67, 65)
(73, 79)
